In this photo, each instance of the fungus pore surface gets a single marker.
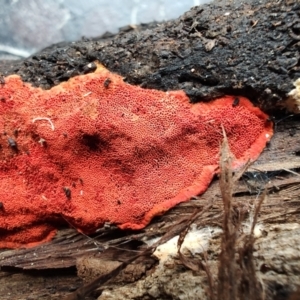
(96, 149)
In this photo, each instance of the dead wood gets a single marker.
(237, 279)
(280, 207)
(248, 48)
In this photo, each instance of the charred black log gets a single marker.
(248, 48)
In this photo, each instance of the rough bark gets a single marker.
(248, 48)
(226, 47)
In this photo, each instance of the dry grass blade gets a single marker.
(250, 287)
(236, 281)
(227, 281)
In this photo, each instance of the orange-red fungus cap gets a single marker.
(96, 149)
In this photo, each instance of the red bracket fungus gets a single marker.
(96, 149)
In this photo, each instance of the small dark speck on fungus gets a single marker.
(12, 143)
(235, 102)
(67, 192)
(107, 82)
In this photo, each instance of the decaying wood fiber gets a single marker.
(248, 48)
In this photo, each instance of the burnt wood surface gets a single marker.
(248, 48)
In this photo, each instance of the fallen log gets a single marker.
(249, 49)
